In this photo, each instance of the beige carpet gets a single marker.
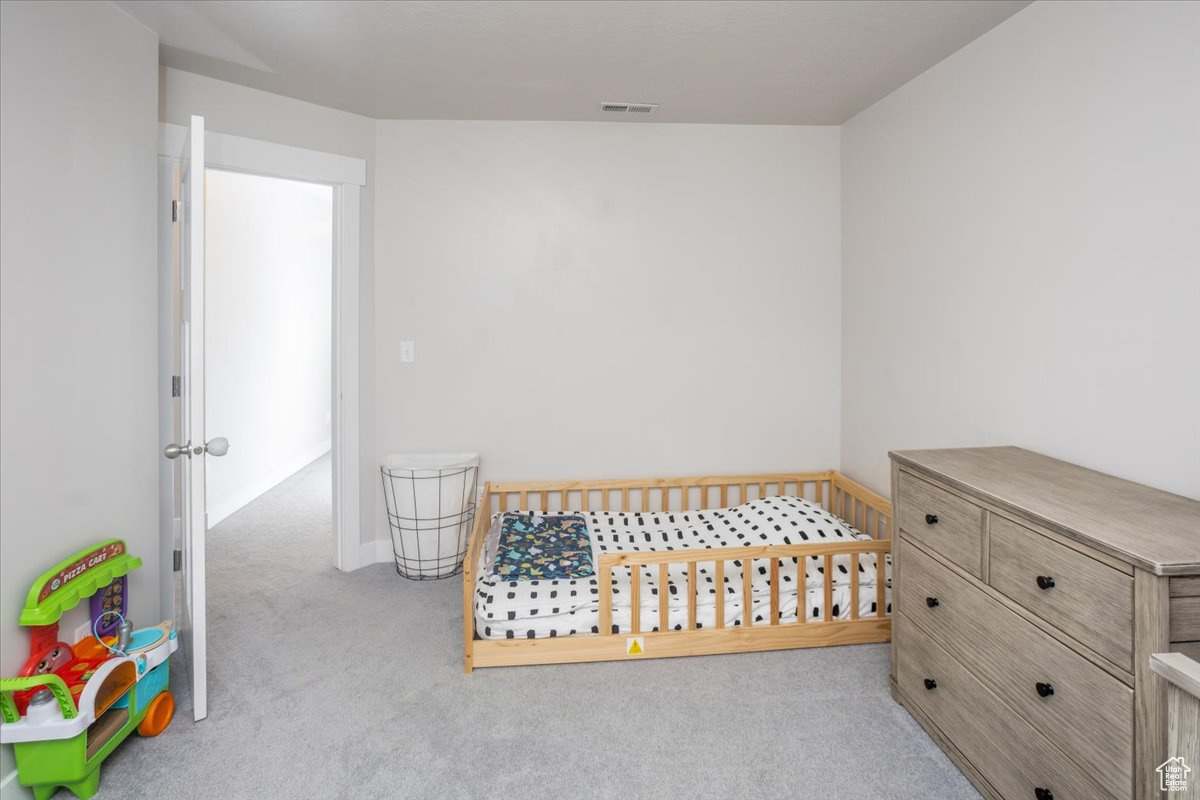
(331, 685)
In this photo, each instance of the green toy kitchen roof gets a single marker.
(75, 579)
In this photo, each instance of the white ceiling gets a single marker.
(746, 62)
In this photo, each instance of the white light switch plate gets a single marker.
(408, 352)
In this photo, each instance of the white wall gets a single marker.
(229, 108)
(1021, 248)
(1029, 185)
(268, 300)
(78, 315)
(592, 299)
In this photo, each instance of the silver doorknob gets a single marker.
(177, 450)
(217, 447)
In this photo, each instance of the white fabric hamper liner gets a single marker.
(430, 500)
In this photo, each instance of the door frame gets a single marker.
(346, 175)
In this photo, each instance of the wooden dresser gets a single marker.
(1028, 596)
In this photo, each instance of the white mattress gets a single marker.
(546, 608)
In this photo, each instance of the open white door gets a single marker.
(191, 338)
(191, 449)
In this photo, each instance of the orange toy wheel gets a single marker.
(158, 715)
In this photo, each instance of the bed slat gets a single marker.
(747, 593)
(775, 592)
(635, 599)
(605, 599)
(720, 579)
(880, 584)
(663, 594)
(692, 590)
(840, 547)
(828, 587)
(854, 585)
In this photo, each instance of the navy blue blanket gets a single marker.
(544, 547)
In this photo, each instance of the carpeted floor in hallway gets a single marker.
(325, 684)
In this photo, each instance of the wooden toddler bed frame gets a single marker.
(855, 504)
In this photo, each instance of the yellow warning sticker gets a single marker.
(635, 646)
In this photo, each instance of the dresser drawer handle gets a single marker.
(1044, 689)
(1045, 582)
(931, 519)
(1043, 794)
(932, 602)
(930, 684)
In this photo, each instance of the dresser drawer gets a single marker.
(1080, 707)
(1087, 599)
(1014, 758)
(1185, 619)
(944, 521)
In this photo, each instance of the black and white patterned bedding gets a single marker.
(546, 608)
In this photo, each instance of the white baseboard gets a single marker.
(376, 552)
(384, 552)
(216, 512)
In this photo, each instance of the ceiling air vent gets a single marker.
(629, 108)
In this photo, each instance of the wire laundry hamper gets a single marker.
(430, 499)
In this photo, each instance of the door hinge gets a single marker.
(176, 386)
(174, 211)
(177, 560)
